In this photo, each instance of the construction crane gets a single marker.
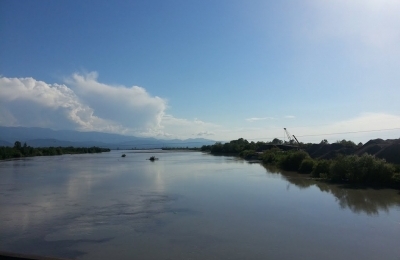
(291, 140)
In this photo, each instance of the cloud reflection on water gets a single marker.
(84, 201)
(79, 199)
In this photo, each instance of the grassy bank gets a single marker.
(352, 169)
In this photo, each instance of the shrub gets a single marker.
(271, 156)
(16, 153)
(369, 169)
(364, 169)
(341, 167)
(217, 148)
(292, 161)
(396, 180)
(248, 154)
(321, 167)
(306, 165)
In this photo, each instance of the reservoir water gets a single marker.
(187, 205)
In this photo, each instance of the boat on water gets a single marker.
(153, 158)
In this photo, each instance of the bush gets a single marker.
(16, 153)
(396, 180)
(248, 154)
(292, 161)
(341, 167)
(306, 165)
(271, 156)
(369, 169)
(364, 169)
(321, 167)
(217, 148)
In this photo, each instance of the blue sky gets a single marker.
(214, 69)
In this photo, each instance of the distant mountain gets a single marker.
(4, 143)
(44, 137)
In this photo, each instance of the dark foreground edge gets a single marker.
(13, 256)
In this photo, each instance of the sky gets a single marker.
(219, 70)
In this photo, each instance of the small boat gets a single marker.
(153, 158)
(123, 155)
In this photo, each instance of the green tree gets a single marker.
(17, 145)
(277, 141)
(324, 141)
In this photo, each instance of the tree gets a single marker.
(17, 145)
(277, 141)
(324, 141)
(346, 143)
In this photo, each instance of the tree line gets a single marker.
(353, 169)
(19, 151)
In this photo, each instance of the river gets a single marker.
(187, 205)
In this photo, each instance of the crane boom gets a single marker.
(291, 140)
(288, 135)
(298, 143)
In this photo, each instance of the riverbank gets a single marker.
(353, 169)
(15, 256)
(22, 151)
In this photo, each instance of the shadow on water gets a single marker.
(358, 200)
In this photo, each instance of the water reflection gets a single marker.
(358, 200)
(367, 201)
(186, 206)
(48, 207)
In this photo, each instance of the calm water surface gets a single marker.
(187, 205)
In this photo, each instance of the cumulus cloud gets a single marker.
(85, 104)
(29, 102)
(133, 107)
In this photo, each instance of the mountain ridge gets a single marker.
(41, 137)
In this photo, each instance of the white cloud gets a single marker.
(83, 103)
(253, 119)
(86, 104)
(289, 117)
(132, 107)
(205, 133)
(89, 105)
(184, 128)
(28, 102)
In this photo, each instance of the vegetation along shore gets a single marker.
(376, 163)
(19, 151)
